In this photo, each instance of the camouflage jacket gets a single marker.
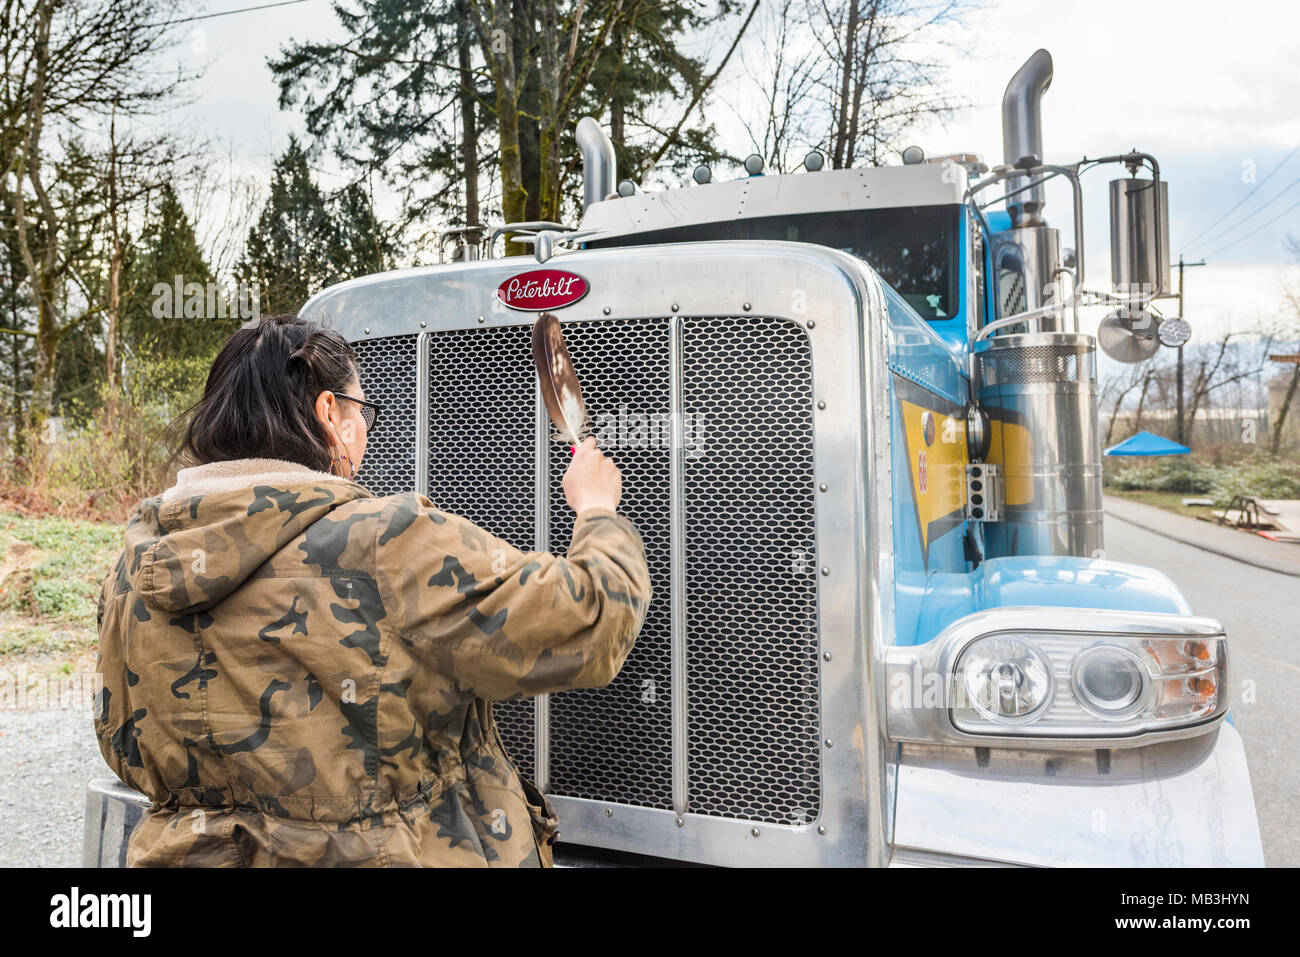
(301, 673)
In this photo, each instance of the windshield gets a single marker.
(912, 248)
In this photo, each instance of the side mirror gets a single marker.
(1129, 337)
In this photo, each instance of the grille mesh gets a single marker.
(749, 562)
(1026, 365)
(751, 567)
(388, 377)
(615, 743)
(482, 436)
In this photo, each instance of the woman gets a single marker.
(297, 672)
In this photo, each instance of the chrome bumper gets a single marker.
(112, 812)
(1184, 803)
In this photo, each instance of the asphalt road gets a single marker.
(1260, 611)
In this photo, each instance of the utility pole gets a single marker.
(1180, 437)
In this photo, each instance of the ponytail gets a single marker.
(260, 396)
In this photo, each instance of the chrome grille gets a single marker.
(749, 548)
(388, 377)
(482, 437)
(482, 401)
(751, 565)
(615, 743)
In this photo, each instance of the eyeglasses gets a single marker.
(369, 410)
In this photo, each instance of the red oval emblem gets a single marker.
(542, 289)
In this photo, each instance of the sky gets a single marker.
(1210, 89)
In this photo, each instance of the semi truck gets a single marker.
(857, 421)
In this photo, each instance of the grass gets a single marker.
(1170, 501)
(50, 573)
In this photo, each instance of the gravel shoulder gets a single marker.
(47, 757)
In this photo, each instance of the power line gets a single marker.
(1249, 216)
(227, 13)
(1295, 205)
(1243, 199)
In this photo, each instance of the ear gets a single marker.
(326, 407)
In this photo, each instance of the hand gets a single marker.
(592, 480)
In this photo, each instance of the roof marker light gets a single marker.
(814, 161)
(913, 155)
(753, 164)
(702, 174)
(627, 188)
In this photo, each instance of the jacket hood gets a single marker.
(189, 548)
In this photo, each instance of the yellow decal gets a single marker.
(1011, 448)
(936, 451)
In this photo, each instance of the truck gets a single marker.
(857, 421)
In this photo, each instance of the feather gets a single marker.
(560, 389)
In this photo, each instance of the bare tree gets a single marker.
(1291, 295)
(881, 79)
(785, 66)
(65, 61)
(1122, 385)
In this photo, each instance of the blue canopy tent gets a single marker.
(1145, 443)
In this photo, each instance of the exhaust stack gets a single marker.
(1022, 133)
(597, 161)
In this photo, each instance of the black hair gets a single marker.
(260, 396)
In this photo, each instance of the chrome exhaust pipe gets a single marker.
(1022, 133)
(597, 161)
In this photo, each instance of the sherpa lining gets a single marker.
(242, 473)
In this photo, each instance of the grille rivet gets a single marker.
(745, 307)
(812, 323)
(826, 656)
(609, 812)
(825, 570)
(824, 487)
(367, 330)
(821, 405)
(821, 828)
(680, 822)
(830, 743)
(675, 307)
(605, 310)
(480, 318)
(423, 323)
(754, 831)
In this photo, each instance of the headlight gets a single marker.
(1110, 681)
(1044, 677)
(1085, 685)
(1006, 679)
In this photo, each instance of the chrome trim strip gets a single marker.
(422, 413)
(677, 537)
(706, 839)
(542, 511)
(912, 857)
(874, 482)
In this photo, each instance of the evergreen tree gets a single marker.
(431, 94)
(155, 324)
(288, 251)
(304, 242)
